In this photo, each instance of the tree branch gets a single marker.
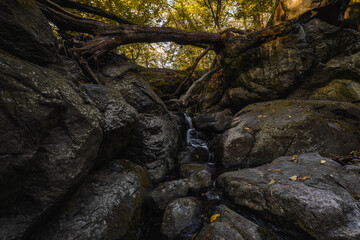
(184, 99)
(196, 62)
(90, 9)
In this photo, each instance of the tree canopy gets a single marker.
(189, 15)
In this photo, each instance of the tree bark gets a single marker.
(91, 9)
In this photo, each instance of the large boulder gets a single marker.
(154, 142)
(310, 193)
(117, 118)
(182, 217)
(107, 206)
(311, 53)
(26, 33)
(264, 131)
(230, 225)
(49, 140)
(337, 79)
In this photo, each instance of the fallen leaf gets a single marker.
(336, 124)
(293, 178)
(294, 157)
(249, 184)
(214, 217)
(272, 181)
(251, 205)
(197, 156)
(322, 161)
(303, 178)
(277, 170)
(271, 194)
(249, 130)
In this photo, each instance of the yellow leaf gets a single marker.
(293, 178)
(303, 178)
(251, 205)
(322, 161)
(277, 170)
(294, 157)
(272, 181)
(336, 124)
(214, 217)
(249, 184)
(249, 130)
(197, 156)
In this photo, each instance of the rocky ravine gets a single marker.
(93, 162)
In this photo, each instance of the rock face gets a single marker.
(107, 206)
(26, 33)
(181, 218)
(117, 118)
(311, 192)
(49, 141)
(309, 54)
(261, 132)
(154, 142)
(230, 225)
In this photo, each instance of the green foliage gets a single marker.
(189, 15)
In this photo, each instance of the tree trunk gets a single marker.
(331, 11)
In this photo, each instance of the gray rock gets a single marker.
(200, 181)
(319, 197)
(107, 206)
(25, 32)
(261, 132)
(275, 68)
(247, 229)
(117, 118)
(169, 191)
(154, 142)
(49, 141)
(186, 170)
(218, 122)
(219, 231)
(181, 218)
(230, 225)
(338, 79)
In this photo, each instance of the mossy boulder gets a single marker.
(261, 132)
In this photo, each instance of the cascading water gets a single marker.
(192, 137)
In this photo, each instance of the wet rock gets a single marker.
(107, 206)
(264, 131)
(25, 32)
(200, 181)
(181, 218)
(309, 191)
(218, 122)
(117, 118)
(219, 231)
(168, 191)
(275, 68)
(154, 141)
(338, 79)
(234, 226)
(186, 170)
(339, 90)
(49, 140)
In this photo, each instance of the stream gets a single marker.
(212, 196)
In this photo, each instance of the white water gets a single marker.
(192, 136)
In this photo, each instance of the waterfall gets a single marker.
(192, 136)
